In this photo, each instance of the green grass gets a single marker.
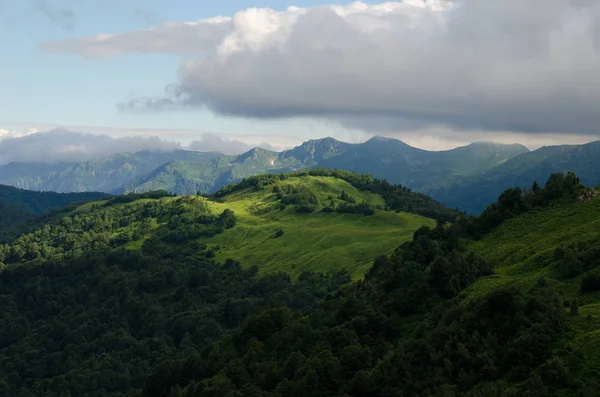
(318, 241)
(522, 250)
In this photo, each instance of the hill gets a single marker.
(461, 310)
(315, 232)
(131, 295)
(96, 297)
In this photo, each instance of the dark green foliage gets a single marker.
(11, 216)
(131, 197)
(514, 201)
(167, 320)
(344, 196)
(359, 343)
(20, 209)
(591, 281)
(361, 208)
(82, 316)
(113, 226)
(300, 196)
(40, 202)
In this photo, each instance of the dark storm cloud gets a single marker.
(512, 65)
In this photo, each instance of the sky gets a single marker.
(436, 73)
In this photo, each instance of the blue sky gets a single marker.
(57, 89)
(434, 73)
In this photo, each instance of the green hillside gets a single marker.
(557, 246)
(103, 292)
(432, 319)
(261, 289)
(317, 241)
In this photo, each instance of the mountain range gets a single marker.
(479, 171)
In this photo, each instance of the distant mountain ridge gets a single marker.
(467, 177)
(186, 172)
(474, 193)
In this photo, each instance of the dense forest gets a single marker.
(88, 310)
(401, 332)
(20, 209)
(40, 202)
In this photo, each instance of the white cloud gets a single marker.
(6, 133)
(510, 65)
(62, 145)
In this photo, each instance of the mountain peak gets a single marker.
(321, 141)
(496, 144)
(379, 139)
(256, 153)
(315, 150)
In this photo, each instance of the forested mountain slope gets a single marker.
(94, 299)
(500, 305)
(474, 193)
(19, 206)
(133, 296)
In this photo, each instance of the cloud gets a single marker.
(6, 133)
(217, 143)
(64, 18)
(62, 145)
(442, 138)
(170, 38)
(511, 65)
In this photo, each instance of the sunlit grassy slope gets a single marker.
(316, 241)
(522, 250)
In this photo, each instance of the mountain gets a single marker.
(185, 172)
(421, 169)
(474, 193)
(139, 281)
(207, 173)
(105, 174)
(382, 157)
(304, 284)
(29, 175)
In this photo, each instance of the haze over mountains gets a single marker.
(479, 171)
